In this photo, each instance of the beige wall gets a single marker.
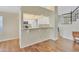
(10, 26)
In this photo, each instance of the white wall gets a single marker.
(66, 30)
(10, 26)
(54, 23)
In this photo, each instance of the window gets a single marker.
(1, 23)
(44, 20)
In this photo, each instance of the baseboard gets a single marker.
(68, 38)
(9, 39)
(33, 43)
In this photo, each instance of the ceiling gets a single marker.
(36, 10)
(31, 12)
(16, 9)
(11, 9)
(31, 9)
(51, 8)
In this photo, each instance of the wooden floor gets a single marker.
(61, 45)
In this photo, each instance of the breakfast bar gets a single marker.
(34, 35)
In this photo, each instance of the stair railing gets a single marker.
(69, 18)
(75, 14)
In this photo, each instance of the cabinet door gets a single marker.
(34, 36)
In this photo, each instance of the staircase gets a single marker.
(71, 17)
(71, 24)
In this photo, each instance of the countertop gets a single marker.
(38, 28)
